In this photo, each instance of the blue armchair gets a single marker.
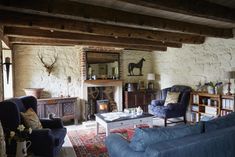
(172, 110)
(46, 142)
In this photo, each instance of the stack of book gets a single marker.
(211, 110)
(194, 117)
(228, 104)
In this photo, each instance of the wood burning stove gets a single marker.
(102, 106)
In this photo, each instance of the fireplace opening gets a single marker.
(100, 100)
(102, 106)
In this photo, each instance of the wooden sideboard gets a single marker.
(63, 107)
(140, 98)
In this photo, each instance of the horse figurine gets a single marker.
(139, 65)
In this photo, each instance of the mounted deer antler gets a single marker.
(49, 68)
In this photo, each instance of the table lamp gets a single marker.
(230, 75)
(151, 78)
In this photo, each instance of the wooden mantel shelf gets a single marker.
(102, 81)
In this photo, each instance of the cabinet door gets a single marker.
(51, 108)
(67, 110)
(139, 99)
(149, 96)
(129, 99)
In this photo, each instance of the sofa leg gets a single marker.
(165, 122)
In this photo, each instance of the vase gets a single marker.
(21, 148)
(211, 90)
(36, 92)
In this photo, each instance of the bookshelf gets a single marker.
(228, 105)
(204, 105)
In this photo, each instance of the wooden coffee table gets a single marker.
(131, 120)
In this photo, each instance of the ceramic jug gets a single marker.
(21, 149)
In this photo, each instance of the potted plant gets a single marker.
(212, 88)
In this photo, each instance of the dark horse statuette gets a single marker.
(139, 65)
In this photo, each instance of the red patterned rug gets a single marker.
(87, 144)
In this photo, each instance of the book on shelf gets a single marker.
(194, 117)
(211, 110)
(225, 112)
(205, 117)
(196, 99)
(195, 108)
(228, 104)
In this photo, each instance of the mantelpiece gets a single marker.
(102, 81)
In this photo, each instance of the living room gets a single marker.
(185, 53)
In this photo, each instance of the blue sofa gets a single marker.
(46, 142)
(215, 138)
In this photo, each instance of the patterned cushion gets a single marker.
(31, 119)
(172, 97)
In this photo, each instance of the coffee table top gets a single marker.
(120, 116)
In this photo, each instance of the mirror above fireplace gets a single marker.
(102, 65)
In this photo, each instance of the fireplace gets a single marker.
(100, 99)
(94, 90)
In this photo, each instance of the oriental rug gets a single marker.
(87, 144)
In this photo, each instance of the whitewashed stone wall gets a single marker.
(30, 73)
(194, 63)
(133, 56)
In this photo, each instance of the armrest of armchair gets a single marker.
(52, 123)
(174, 106)
(42, 135)
(115, 143)
(157, 103)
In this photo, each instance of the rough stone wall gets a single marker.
(30, 73)
(133, 56)
(194, 63)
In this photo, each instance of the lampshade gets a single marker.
(151, 76)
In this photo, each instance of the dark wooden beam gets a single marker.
(65, 42)
(37, 33)
(24, 20)
(74, 10)
(3, 37)
(200, 8)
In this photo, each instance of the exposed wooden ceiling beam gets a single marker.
(93, 28)
(3, 37)
(29, 32)
(74, 10)
(198, 8)
(64, 42)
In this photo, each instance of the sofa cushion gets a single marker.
(31, 119)
(147, 136)
(220, 123)
(172, 97)
(219, 143)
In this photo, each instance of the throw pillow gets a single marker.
(172, 97)
(31, 119)
(144, 137)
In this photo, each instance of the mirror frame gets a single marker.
(116, 53)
